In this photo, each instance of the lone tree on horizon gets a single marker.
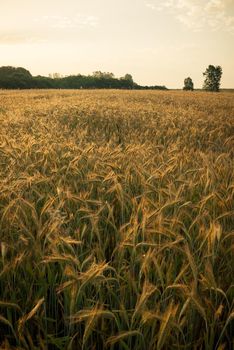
(213, 76)
(188, 84)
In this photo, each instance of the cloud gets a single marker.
(198, 14)
(151, 6)
(24, 38)
(78, 21)
(49, 28)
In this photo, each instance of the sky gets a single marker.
(159, 42)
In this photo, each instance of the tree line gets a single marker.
(21, 78)
(212, 79)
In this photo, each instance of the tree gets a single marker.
(213, 76)
(188, 84)
(103, 75)
(55, 76)
(15, 78)
(128, 79)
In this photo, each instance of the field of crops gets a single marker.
(116, 220)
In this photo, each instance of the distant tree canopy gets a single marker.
(103, 75)
(188, 84)
(11, 78)
(212, 78)
(20, 78)
(55, 75)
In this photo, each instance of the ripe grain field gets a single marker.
(116, 220)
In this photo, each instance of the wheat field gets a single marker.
(116, 220)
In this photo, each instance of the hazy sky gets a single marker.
(157, 41)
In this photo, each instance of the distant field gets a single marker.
(227, 90)
(116, 220)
